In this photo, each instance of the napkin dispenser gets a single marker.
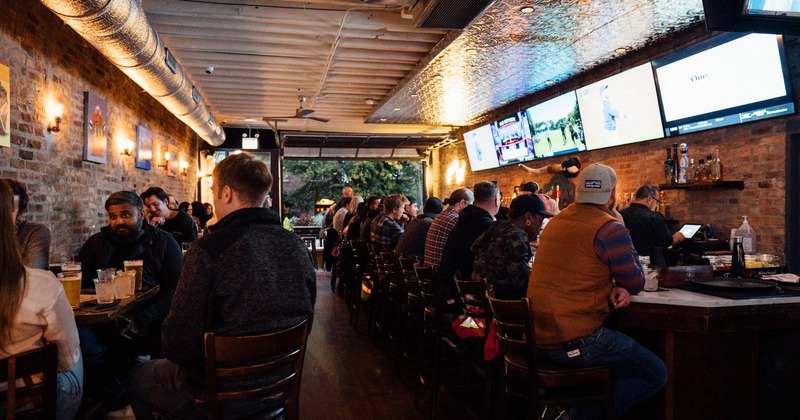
(681, 274)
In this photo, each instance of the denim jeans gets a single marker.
(158, 384)
(70, 391)
(636, 372)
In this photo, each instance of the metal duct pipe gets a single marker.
(120, 31)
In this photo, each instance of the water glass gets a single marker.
(104, 289)
(106, 273)
(124, 284)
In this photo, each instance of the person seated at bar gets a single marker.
(386, 229)
(248, 276)
(503, 253)
(107, 348)
(34, 238)
(443, 224)
(179, 224)
(411, 208)
(412, 242)
(33, 311)
(647, 227)
(586, 267)
(456, 255)
(187, 208)
(373, 210)
(199, 212)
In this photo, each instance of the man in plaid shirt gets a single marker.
(443, 224)
(386, 229)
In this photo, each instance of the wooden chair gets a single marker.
(31, 401)
(533, 380)
(278, 354)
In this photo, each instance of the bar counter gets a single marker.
(731, 359)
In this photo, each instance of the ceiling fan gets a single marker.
(301, 112)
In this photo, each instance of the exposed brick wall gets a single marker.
(754, 152)
(48, 59)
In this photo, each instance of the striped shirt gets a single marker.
(437, 236)
(612, 246)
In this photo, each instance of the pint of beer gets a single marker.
(72, 288)
(136, 265)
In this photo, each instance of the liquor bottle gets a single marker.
(707, 169)
(683, 175)
(687, 175)
(716, 168)
(675, 167)
(668, 177)
(737, 257)
(699, 171)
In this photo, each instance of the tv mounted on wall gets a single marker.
(556, 126)
(729, 79)
(762, 16)
(480, 148)
(512, 140)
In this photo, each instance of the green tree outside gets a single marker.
(325, 179)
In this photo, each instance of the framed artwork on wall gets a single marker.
(5, 106)
(172, 164)
(95, 123)
(144, 148)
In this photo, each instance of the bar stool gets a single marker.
(311, 245)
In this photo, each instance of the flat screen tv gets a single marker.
(621, 109)
(480, 148)
(512, 140)
(555, 126)
(762, 16)
(726, 80)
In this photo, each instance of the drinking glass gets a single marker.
(124, 284)
(71, 267)
(104, 289)
(138, 266)
(106, 273)
(72, 288)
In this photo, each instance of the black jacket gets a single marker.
(456, 255)
(162, 264)
(648, 229)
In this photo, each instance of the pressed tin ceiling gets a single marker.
(369, 70)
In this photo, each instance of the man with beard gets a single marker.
(107, 348)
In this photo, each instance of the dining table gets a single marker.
(90, 312)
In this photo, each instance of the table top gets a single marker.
(92, 313)
(678, 297)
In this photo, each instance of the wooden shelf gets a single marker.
(721, 185)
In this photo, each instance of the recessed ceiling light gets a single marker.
(503, 102)
(621, 50)
(415, 95)
(383, 119)
(437, 76)
(369, 101)
(397, 109)
(526, 9)
(549, 82)
(249, 119)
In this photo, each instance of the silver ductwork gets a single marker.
(120, 31)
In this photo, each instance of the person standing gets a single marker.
(647, 227)
(179, 224)
(585, 268)
(34, 238)
(34, 310)
(247, 276)
(443, 224)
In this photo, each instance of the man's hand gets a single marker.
(157, 221)
(617, 216)
(619, 297)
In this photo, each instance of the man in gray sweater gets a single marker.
(248, 276)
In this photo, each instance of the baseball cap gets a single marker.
(529, 203)
(530, 186)
(595, 184)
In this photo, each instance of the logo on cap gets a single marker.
(593, 183)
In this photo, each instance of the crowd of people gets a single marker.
(576, 265)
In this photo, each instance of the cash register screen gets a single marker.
(690, 229)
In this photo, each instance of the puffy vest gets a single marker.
(569, 285)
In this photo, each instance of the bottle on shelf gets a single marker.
(688, 173)
(699, 171)
(737, 257)
(716, 167)
(707, 169)
(675, 164)
(668, 176)
(684, 175)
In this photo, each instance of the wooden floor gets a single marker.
(347, 377)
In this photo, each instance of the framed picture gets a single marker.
(5, 106)
(95, 123)
(172, 164)
(144, 148)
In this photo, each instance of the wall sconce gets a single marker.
(455, 172)
(184, 168)
(164, 165)
(55, 111)
(127, 148)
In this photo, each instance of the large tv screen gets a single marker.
(556, 126)
(725, 80)
(512, 140)
(772, 7)
(621, 109)
(480, 148)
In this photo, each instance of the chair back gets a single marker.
(278, 355)
(473, 296)
(426, 276)
(40, 393)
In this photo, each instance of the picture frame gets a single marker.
(95, 124)
(5, 106)
(144, 148)
(172, 164)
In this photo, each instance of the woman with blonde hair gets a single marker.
(34, 310)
